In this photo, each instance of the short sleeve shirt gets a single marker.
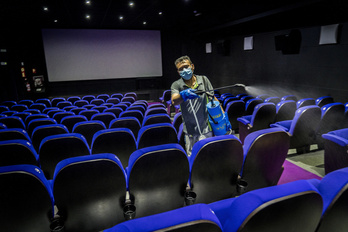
(194, 111)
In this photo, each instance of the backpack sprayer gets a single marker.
(216, 118)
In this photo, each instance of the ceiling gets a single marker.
(193, 17)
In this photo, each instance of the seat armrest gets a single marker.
(336, 139)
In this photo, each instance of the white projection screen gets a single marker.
(85, 54)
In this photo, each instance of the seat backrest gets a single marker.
(118, 141)
(334, 190)
(38, 106)
(215, 164)
(117, 95)
(56, 100)
(133, 113)
(295, 206)
(263, 96)
(156, 118)
(80, 103)
(14, 133)
(274, 100)
(105, 117)
(250, 105)
(13, 122)
(88, 98)
(227, 100)
(113, 101)
(115, 110)
(131, 94)
(289, 97)
(13, 152)
(335, 153)
(137, 107)
(97, 102)
(235, 109)
(39, 122)
(19, 107)
(41, 132)
(26, 102)
(45, 101)
(305, 102)
(194, 218)
(63, 104)
(332, 118)
(88, 113)
(55, 148)
(156, 134)
(36, 116)
(156, 110)
(128, 99)
(162, 187)
(285, 110)
(264, 154)
(177, 120)
(324, 100)
(26, 199)
(263, 116)
(89, 191)
(88, 129)
(103, 96)
(304, 125)
(58, 116)
(131, 123)
(73, 99)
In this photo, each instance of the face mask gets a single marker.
(186, 73)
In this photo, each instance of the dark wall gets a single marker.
(317, 70)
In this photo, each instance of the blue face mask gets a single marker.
(186, 73)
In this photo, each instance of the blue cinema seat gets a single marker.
(250, 105)
(332, 118)
(235, 109)
(26, 199)
(334, 191)
(41, 132)
(215, 164)
(305, 102)
(70, 121)
(13, 122)
(156, 134)
(131, 123)
(324, 100)
(133, 113)
(285, 110)
(14, 133)
(55, 148)
(105, 117)
(302, 128)
(156, 118)
(156, 178)
(194, 218)
(89, 192)
(264, 154)
(335, 150)
(115, 110)
(261, 118)
(118, 141)
(18, 151)
(295, 206)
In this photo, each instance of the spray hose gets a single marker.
(224, 87)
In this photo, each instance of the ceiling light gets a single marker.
(160, 13)
(45, 8)
(144, 22)
(131, 4)
(121, 17)
(88, 2)
(88, 16)
(56, 21)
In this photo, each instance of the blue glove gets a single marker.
(188, 94)
(228, 124)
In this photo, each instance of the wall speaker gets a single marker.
(223, 47)
(289, 43)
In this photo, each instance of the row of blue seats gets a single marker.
(311, 206)
(72, 99)
(89, 196)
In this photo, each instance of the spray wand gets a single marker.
(208, 92)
